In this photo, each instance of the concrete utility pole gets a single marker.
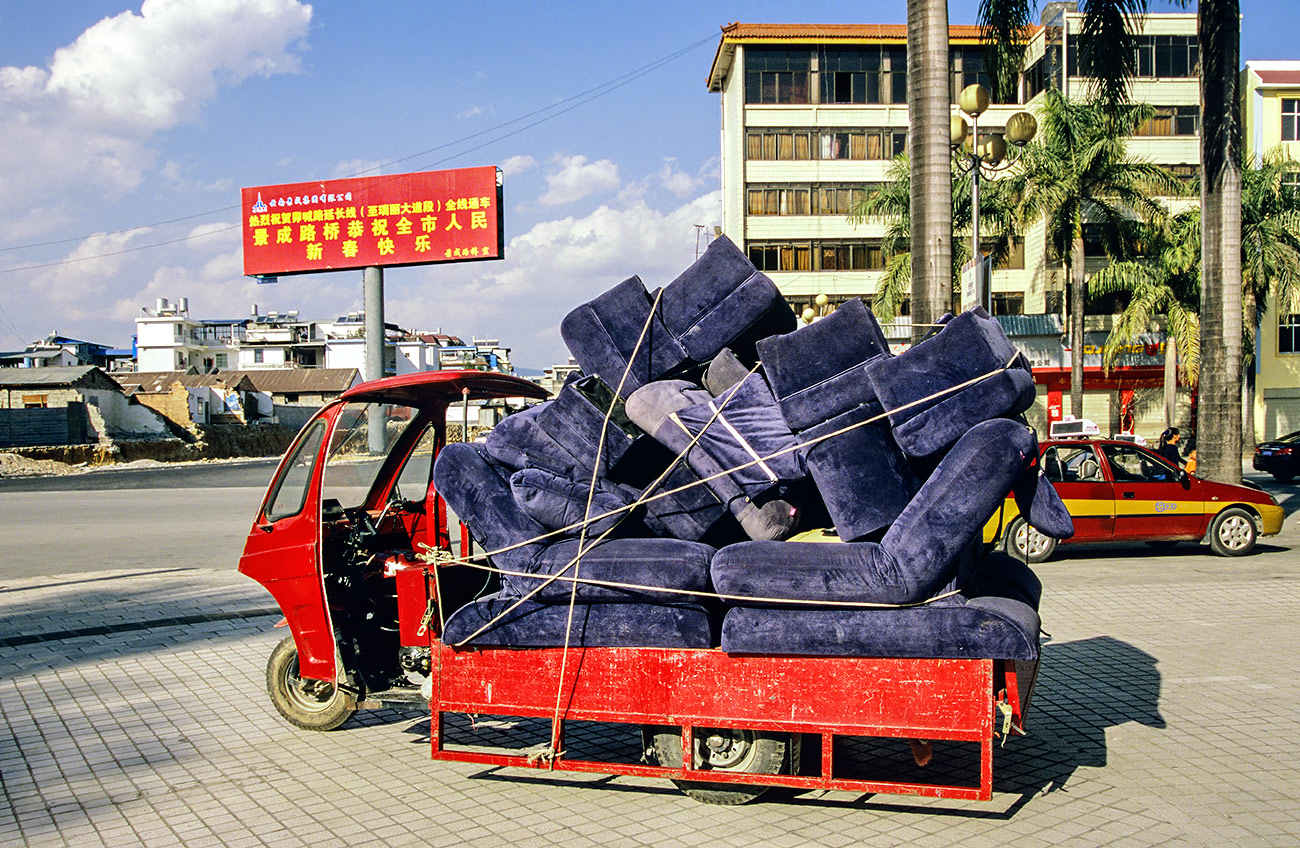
(373, 298)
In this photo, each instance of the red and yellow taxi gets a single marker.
(1119, 491)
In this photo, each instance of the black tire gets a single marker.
(1283, 476)
(1027, 544)
(752, 751)
(309, 704)
(1233, 532)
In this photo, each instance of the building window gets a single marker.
(178, 333)
(841, 200)
(1291, 181)
(868, 144)
(780, 144)
(1015, 260)
(778, 76)
(259, 355)
(1008, 303)
(36, 401)
(867, 75)
(1288, 334)
(290, 397)
(1185, 173)
(221, 359)
(1290, 119)
(863, 255)
(780, 201)
(774, 145)
(966, 67)
(1173, 120)
(1158, 56)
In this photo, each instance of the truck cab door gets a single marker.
(283, 550)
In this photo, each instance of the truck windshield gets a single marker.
(355, 455)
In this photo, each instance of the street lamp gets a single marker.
(979, 153)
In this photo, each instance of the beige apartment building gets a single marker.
(1270, 114)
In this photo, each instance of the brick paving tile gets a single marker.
(1157, 720)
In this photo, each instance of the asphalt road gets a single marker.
(192, 515)
(197, 516)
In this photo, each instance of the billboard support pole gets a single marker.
(373, 298)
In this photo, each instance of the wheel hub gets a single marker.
(726, 748)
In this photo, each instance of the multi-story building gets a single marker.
(813, 115)
(169, 339)
(1270, 113)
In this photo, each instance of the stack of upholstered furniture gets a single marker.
(735, 480)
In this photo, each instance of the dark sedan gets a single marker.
(1279, 457)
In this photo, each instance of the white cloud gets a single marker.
(359, 168)
(576, 178)
(553, 268)
(517, 165)
(84, 122)
(471, 112)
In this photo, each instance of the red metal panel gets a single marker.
(907, 698)
(924, 698)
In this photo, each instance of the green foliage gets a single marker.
(1163, 280)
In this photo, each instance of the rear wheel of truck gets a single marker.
(309, 704)
(720, 749)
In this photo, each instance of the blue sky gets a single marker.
(118, 116)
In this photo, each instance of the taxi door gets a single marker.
(1075, 472)
(1153, 499)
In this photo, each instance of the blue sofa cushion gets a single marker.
(723, 301)
(554, 502)
(476, 490)
(816, 371)
(956, 628)
(535, 625)
(666, 563)
(918, 387)
(738, 437)
(602, 334)
(917, 557)
(863, 477)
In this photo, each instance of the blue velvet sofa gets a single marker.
(758, 431)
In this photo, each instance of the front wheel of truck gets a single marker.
(309, 704)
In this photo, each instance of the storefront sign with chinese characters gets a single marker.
(401, 219)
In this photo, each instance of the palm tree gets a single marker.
(891, 203)
(1076, 171)
(1165, 281)
(1219, 406)
(1270, 258)
(927, 145)
(1106, 54)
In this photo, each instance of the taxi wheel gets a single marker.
(1027, 544)
(309, 704)
(1233, 532)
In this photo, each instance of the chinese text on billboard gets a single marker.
(401, 219)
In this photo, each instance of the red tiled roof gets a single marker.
(1279, 77)
(823, 32)
(812, 33)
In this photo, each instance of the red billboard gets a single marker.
(400, 219)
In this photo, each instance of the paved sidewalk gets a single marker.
(1165, 715)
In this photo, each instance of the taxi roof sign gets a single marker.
(1070, 427)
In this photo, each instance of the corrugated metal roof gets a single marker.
(300, 380)
(1031, 325)
(148, 382)
(67, 375)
